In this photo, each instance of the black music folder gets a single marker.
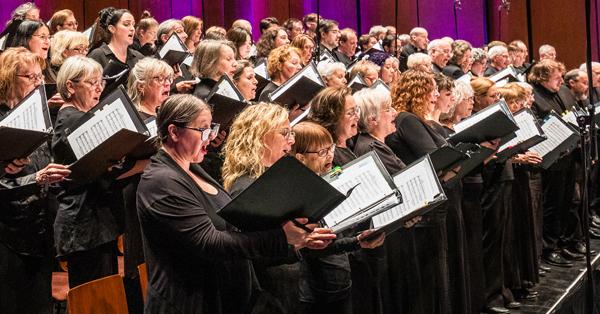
(25, 127)
(561, 139)
(445, 157)
(508, 75)
(528, 135)
(149, 147)
(370, 189)
(421, 192)
(174, 51)
(115, 73)
(477, 155)
(50, 89)
(495, 121)
(104, 135)
(300, 88)
(227, 102)
(287, 190)
(326, 56)
(357, 83)
(262, 76)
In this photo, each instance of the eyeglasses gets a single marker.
(42, 37)
(81, 50)
(324, 151)
(161, 80)
(287, 133)
(100, 83)
(32, 77)
(207, 133)
(353, 112)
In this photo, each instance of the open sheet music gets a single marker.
(495, 121)
(557, 132)
(105, 122)
(372, 191)
(25, 127)
(326, 56)
(419, 187)
(528, 134)
(227, 102)
(3, 42)
(381, 87)
(30, 114)
(357, 83)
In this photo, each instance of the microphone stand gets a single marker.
(588, 153)
(317, 54)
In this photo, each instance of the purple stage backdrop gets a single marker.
(476, 20)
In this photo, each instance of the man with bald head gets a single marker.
(440, 52)
(419, 38)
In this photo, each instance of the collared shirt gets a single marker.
(103, 54)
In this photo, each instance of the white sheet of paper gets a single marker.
(225, 89)
(372, 188)
(188, 60)
(261, 70)
(104, 124)
(556, 133)
(527, 129)
(418, 185)
(152, 128)
(171, 44)
(474, 119)
(28, 115)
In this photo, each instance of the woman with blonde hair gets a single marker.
(259, 137)
(306, 45)
(65, 44)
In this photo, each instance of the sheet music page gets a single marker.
(418, 185)
(104, 124)
(556, 133)
(261, 70)
(356, 79)
(3, 41)
(474, 119)
(372, 188)
(312, 74)
(225, 89)
(465, 78)
(383, 207)
(527, 129)
(29, 115)
(88, 32)
(570, 117)
(499, 75)
(171, 44)
(188, 60)
(152, 128)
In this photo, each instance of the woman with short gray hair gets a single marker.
(334, 74)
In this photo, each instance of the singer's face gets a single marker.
(291, 66)
(244, 49)
(277, 143)
(24, 84)
(319, 164)
(191, 146)
(124, 31)
(464, 109)
(281, 39)
(554, 81)
(347, 127)
(247, 83)
(337, 79)
(87, 91)
(227, 63)
(307, 51)
(445, 101)
(40, 42)
(386, 121)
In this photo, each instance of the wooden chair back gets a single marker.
(104, 295)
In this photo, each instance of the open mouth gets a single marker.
(166, 93)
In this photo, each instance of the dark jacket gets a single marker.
(546, 100)
(103, 54)
(453, 71)
(196, 263)
(408, 50)
(366, 143)
(413, 138)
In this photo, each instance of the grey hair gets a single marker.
(417, 59)
(583, 66)
(436, 43)
(75, 68)
(142, 72)
(375, 30)
(326, 69)
(22, 10)
(166, 27)
(496, 51)
(478, 54)
(462, 91)
(417, 31)
(370, 102)
(545, 48)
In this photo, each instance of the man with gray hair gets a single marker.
(418, 43)
(499, 60)
(440, 52)
(577, 82)
(595, 79)
(378, 31)
(547, 52)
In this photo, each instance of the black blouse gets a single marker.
(264, 95)
(25, 214)
(103, 54)
(366, 143)
(194, 264)
(86, 212)
(413, 138)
